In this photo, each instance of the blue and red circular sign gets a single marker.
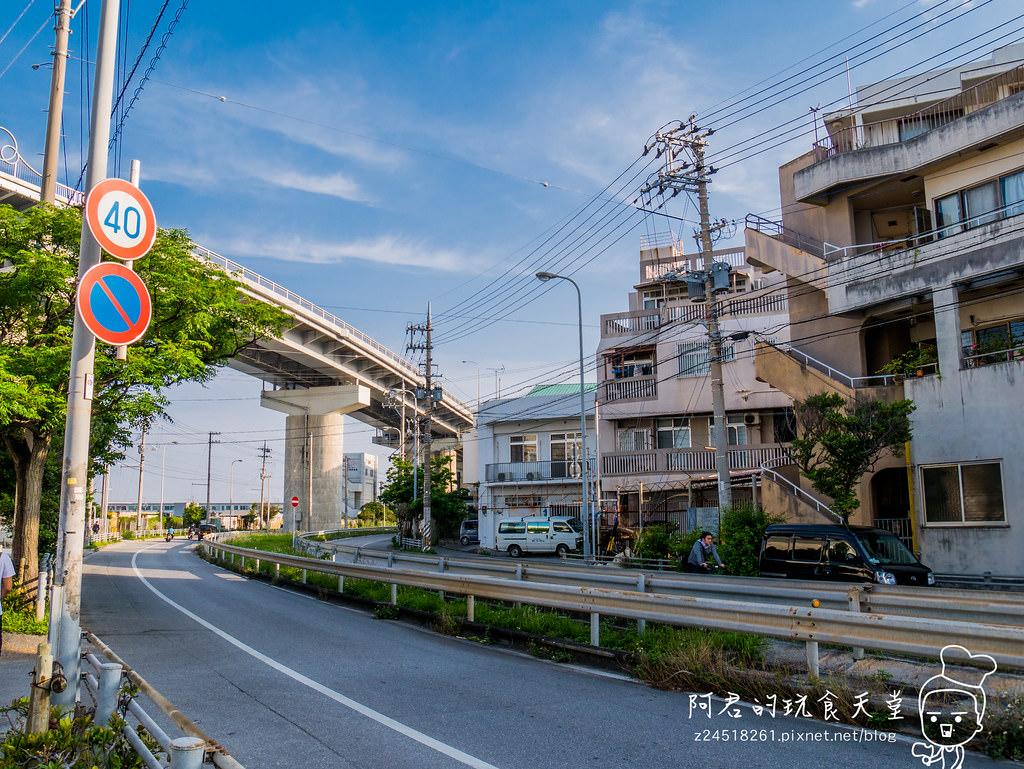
(114, 303)
(121, 219)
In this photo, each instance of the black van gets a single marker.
(840, 554)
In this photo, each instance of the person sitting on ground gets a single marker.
(703, 550)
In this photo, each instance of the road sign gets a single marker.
(114, 304)
(121, 219)
(295, 501)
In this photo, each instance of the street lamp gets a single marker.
(588, 550)
(231, 483)
(163, 466)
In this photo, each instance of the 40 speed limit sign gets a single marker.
(121, 219)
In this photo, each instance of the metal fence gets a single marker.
(912, 621)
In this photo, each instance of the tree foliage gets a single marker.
(200, 320)
(447, 507)
(193, 515)
(374, 514)
(839, 442)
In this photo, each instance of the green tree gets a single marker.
(374, 514)
(447, 507)
(200, 320)
(839, 442)
(740, 535)
(193, 515)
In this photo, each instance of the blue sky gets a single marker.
(374, 157)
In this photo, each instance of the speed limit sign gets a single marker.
(121, 219)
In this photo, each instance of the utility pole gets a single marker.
(432, 394)
(51, 151)
(142, 464)
(65, 622)
(209, 467)
(344, 514)
(692, 176)
(264, 453)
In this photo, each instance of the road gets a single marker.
(283, 680)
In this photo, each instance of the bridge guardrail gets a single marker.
(887, 632)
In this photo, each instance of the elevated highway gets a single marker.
(317, 370)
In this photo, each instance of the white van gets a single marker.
(539, 535)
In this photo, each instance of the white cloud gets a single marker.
(387, 249)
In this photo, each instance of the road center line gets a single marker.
(363, 710)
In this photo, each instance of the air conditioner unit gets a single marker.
(501, 477)
(751, 419)
(529, 476)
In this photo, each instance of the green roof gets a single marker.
(561, 389)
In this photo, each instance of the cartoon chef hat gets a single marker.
(969, 673)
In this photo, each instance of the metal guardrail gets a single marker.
(710, 602)
(103, 682)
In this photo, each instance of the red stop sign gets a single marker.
(295, 501)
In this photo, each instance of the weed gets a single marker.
(552, 653)
(1003, 736)
(386, 611)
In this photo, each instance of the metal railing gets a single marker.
(897, 130)
(541, 470)
(13, 164)
(775, 230)
(991, 626)
(630, 388)
(803, 496)
(102, 680)
(853, 382)
(687, 460)
(898, 526)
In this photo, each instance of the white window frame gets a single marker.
(524, 443)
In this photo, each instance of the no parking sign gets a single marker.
(114, 303)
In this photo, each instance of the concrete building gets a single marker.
(360, 484)
(654, 396)
(902, 239)
(524, 458)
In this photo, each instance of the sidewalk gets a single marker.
(16, 665)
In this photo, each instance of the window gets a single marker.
(537, 527)
(565, 455)
(963, 493)
(523, 448)
(979, 205)
(631, 364)
(807, 549)
(992, 344)
(673, 433)
(632, 439)
(777, 548)
(841, 552)
(734, 426)
(694, 359)
(915, 125)
(511, 527)
(561, 526)
(523, 500)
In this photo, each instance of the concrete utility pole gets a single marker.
(432, 395)
(264, 453)
(142, 464)
(51, 151)
(692, 176)
(209, 468)
(65, 623)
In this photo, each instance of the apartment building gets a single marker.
(654, 392)
(524, 456)
(902, 245)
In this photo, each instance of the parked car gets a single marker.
(539, 535)
(469, 532)
(841, 554)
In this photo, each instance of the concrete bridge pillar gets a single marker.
(314, 451)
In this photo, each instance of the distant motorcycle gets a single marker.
(190, 533)
(168, 537)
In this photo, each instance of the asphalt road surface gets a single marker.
(284, 681)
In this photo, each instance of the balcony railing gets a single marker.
(540, 470)
(688, 460)
(853, 382)
(642, 321)
(775, 230)
(630, 388)
(896, 130)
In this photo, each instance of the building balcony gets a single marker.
(629, 389)
(662, 461)
(764, 302)
(531, 472)
(859, 153)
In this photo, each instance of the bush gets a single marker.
(659, 540)
(740, 538)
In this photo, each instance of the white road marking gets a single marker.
(380, 718)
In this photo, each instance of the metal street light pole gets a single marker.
(588, 550)
(163, 466)
(231, 482)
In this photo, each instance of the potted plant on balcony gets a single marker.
(915, 362)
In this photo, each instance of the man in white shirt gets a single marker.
(6, 583)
